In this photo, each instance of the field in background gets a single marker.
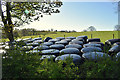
(103, 35)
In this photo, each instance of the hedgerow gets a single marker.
(18, 64)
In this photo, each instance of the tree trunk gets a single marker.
(0, 9)
(9, 33)
(8, 26)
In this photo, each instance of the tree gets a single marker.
(52, 30)
(24, 32)
(91, 28)
(55, 30)
(15, 33)
(19, 13)
(72, 31)
(117, 28)
(84, 30)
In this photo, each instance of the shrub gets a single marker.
(18, 64)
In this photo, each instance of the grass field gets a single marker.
(103, 35)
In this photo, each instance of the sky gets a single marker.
(79, 16)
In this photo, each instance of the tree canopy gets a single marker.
(15, 14)
(117, 28)
(91, 28)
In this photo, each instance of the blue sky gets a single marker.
(79, 16)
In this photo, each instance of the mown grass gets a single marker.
(103, 35)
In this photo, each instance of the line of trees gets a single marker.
(91, 28)
(27, 32)
(117, 28)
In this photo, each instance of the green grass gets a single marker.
(103, 35)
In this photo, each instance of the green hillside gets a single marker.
(103, 35)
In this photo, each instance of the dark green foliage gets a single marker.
(16, 34)
(101, 69)
(19, 64)
(31, 31)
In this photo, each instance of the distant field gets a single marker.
(103, 35)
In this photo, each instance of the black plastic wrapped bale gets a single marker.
(2, 51)
(41, 47)
(15, 42)
(71, 37)
(19, 43)
(7, 47)
(61, 42)
(115, 49)
(91, 49)
(57, 46)
(111, 41)
(37, 38)
(117, 43)
(74, 46)
(2, 46)
(51, 52)
(84, 37)
(7, 43)
(49, 57)
(60, 38)
(47, 39)
(93, 40)
(27, 39)
(76, 42)
(19, 40)
(102, 44)
(76, 58)
(70, 51)
(68, 40)
(5, 57)
(117, 56)
(30, 41)
(95, 56)
(54, 40)
(26, 48)
(33, 51)
(92, 45)
(1, 43)
(33, 44)
(38, 41)
(79, 39)
(47, 43)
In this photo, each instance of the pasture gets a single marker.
(103, 35)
